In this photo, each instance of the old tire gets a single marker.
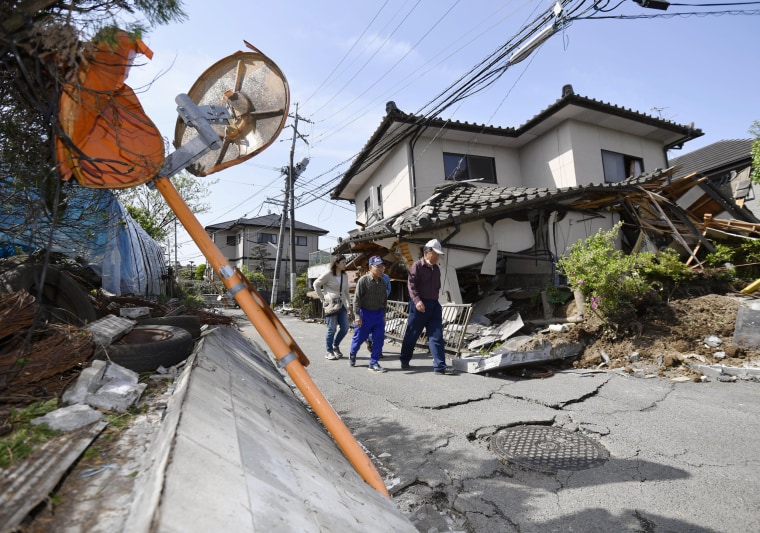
(145, 348)
(190, 323)
(65, 300)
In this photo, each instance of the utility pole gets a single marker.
(293, 173)
(278, 258)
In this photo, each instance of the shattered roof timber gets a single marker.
(737, 226)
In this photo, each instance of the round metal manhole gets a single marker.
(547, 449)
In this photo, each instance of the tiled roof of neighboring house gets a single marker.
(459, 202)
(266, 221)
(397, 126)
(713, 157)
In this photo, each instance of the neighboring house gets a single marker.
(530, 192)
(722, 167)
(239, 240)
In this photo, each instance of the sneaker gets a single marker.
(377, 368)
(445, 372)
(351, 360)
(337, 352)
(406, 366)
(331, 356)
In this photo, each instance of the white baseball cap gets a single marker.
(435, 245)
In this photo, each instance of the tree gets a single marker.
(151, 211)
(259, 257)
(755, 131)
(42, 44)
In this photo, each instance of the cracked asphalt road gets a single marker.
(682, 456)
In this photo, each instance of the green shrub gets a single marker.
(615, 283)
(723, 254)
(665, 271)
(607, 277)
(745, 257)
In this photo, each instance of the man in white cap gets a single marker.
(425, 310)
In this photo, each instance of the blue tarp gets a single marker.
(93, 227)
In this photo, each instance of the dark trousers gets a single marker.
(432, 322)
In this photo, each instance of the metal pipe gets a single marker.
(276, 337)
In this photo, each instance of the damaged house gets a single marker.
(723, 172)
(507, 202)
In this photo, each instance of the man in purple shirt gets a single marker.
(425, 311)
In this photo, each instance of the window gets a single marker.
(266, 237)
(373, 204)
(460, 167)
(231, 240)
(618, 167)
(300, 240)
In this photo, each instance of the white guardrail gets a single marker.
(456, 317)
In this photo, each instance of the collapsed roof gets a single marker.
(648, 202)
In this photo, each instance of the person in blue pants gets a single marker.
(425, 311)
(370, 300)
(387, 280)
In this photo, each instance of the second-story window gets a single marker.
(460, 167)
(618, 167)
(231, 240)
(300, 240)
(266, 237)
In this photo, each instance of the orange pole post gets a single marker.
(269, 332)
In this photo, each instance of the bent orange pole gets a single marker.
(268, 329)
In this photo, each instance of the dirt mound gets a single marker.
(663, 338)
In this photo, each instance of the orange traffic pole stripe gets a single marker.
(272, 331)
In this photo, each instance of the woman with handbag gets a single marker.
(332, 288)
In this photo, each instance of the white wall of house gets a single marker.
(549, 161)
(571, 154)
(429, 172)
(574, 226)
(566, 156)
(392, 176)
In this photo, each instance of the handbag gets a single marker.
(334, 305)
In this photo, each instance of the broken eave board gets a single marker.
(31, 481)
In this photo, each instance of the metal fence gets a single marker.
(456, 317)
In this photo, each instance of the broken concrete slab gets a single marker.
(109, 329)
(747, 329)
(490, 336)
(134, 312)
(506, 358)
(116, 395)
(69, 418)
(88, 381)
(492, 303)
(116, 372)
(716, 371)
(105, 385)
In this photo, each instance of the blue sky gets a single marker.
(345, 59)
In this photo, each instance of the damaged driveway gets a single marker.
(667, 456)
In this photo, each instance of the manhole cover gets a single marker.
(547, 449)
